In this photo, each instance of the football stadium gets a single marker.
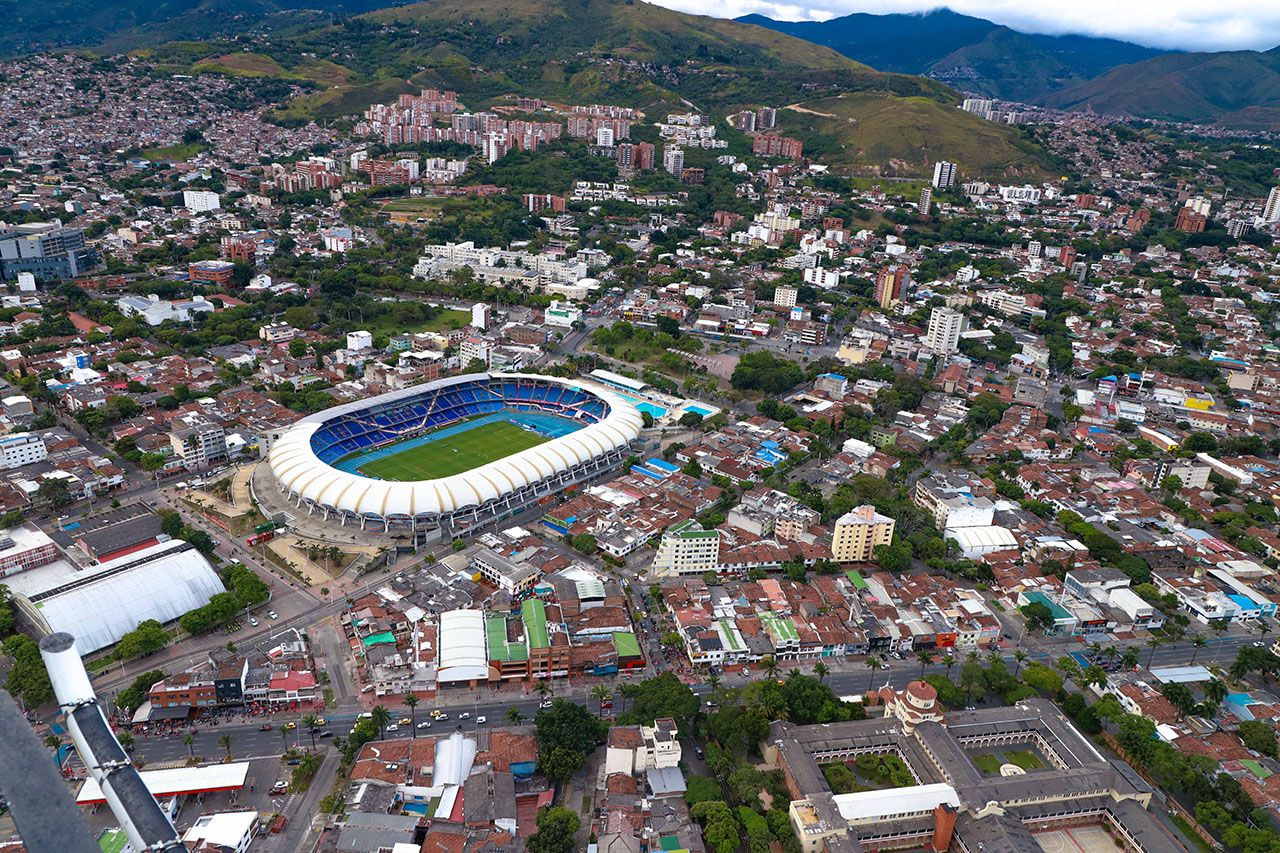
(451, 455)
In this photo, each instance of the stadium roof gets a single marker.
(108, 600)
(297, 467)
(177, 780)
(462, 646)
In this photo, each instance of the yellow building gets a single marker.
(858, 533)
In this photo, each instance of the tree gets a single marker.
(189, 741)
(925, 657)
(566, 734)
(601, 694)
(663, 695)
(380, 716)
(515, 716)
(873, 664)
(557, 831)
(1179, 696)
(719, 827)
(225, 742)
(53, 493)
(948, 661)
(28, 678)
(1258, 736)
(770, 666)
(820, 671)
(125, 739)
(311, 722)
(1019, 657)
(1197, 642)
(411, 702)
(1038, 616)
(150, 636)
(1153, 644)
(584, 543)
(701, 789)
(761, 370)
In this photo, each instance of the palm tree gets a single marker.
(542, 688)
(793, 673)
(770, 665)
(600, 693)
(873, 664)
(515, 716)
(380, 716)
(308, 766)
(1264, 627)
(310, 722)
(1153, 644)
(925, 657)
(411, 702)
(820, 670)
(53, 742)
(949, 661)
(225, 743)
(1129, 659)
(1215, 690)
(1197, 643)
(189, 741)
(1109, 653)
(713, 681)
(1019, 658)
(125, 739)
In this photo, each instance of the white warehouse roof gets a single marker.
(296, 466)
(877, 805)
(463, 653)
(177, 780)
(109, 600)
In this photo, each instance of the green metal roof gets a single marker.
(779, 628)
(856, 579)
(378, 639)
(727, 633)
(626, 644)
(1059, 612)
(500, 648)
(534, 614)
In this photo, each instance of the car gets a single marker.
(442, 717)
(394, 727)
(436, 713)
(265, 727)
(279, 788)
(253, 622)
(545, 703)
(294, 762)
(425, 724)
(481, 720)
(271, 614)
(325, 734)
(404, 721)
(465, 715)
(320, 721)
(697, 750)
(1258, 644)
(288, 727)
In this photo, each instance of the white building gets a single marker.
(198, 442)
(201, 201)
(673, 159)
(562, 314)
(944, 175)
(21, 448)
(943, 334)
(361, 340)
(686, 549)
(155, 311)
(276, 333)
(480, 313)
(26, 282)
(227, 832)
(785, 297)
(1020, 195)
(1271, 212)
(823, 278)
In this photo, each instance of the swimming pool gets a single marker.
(655, 411)
(698, 410)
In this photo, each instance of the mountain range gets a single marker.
(1238, 89)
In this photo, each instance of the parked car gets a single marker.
(271, 614)
(253, 622)
(279, 788)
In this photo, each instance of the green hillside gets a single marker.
(906, 135)
(1234, 88)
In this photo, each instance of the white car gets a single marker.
(253, 622)
(465, 715)
(425, 724)
(546, 703)
(481, 720)
(442, 717)
(271, 614)
(394, 727)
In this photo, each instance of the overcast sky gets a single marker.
(1184, 24)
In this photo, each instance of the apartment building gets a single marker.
(858, 533)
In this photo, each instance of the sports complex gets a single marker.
(452, 454)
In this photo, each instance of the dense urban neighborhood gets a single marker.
(531, 465)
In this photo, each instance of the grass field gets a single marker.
(174, 153)
(454, 454)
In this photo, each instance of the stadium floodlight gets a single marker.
(133, 805)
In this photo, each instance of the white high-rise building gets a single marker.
(673, 159)
(1271, 213)
(943, 334)
(21, 448)
(926, 200)
(200, 201)
(785, 297)
(604, 136)
(480, 315)
(944, 175)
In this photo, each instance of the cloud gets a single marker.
(1180, 24)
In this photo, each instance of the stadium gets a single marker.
(451, 455)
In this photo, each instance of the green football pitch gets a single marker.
(445, 457)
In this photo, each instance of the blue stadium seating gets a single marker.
(437, 408)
